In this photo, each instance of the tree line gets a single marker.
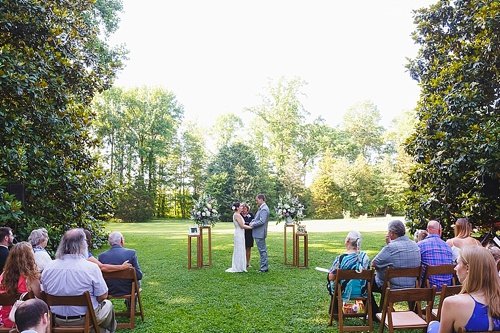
(159, 164)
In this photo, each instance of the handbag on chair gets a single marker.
(20, 301)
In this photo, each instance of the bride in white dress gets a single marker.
(239, 252)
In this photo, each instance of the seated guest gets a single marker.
(420, 234)
(495, 251)
(118, 254)
(463, 230)
(6, 239)
(32, 316)
(104, 267)
(20, 275)
(72, 274)
(355, 259)
(434, 251)
(39, 239)
(400, 252)
(477, 307)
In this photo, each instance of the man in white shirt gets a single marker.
(72, 274)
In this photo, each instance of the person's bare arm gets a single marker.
(241, 222)
(102, 297)
(107, 268)
(35, 288)
(447, 320)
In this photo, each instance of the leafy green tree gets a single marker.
(52, 62)
(232, 176)
(226, 129)
(279, 126)
(182, 174)
(455, 146)
(326, 199)
(135, 203)
(361, 124)
(138, 126)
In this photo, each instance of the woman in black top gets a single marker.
(248, 217)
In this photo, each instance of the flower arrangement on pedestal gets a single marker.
(205, 211)
(290, 210)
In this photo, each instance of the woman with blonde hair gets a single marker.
(20, 275)
(463, 230)
(477, 307)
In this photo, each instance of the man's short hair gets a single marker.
(261, 197)
(397, 227)
(114, 238)
(73, 242)
(29, 313)
(4, 232)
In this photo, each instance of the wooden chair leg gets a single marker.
(330, 312)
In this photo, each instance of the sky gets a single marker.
(218, 56)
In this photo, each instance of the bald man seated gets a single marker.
(434, 251)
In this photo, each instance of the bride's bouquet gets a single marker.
(205, 211)
(289, 209)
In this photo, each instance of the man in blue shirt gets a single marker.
(434, 251)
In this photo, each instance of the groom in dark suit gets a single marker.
(259, 230)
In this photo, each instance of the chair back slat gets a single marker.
(348, 274)
(439, 270)
(411, 295)
(128, 273)
(90, 323)
(391, 273)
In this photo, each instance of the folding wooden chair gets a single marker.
(406, 319)
(445, 292)
(414, 273)
(135, 293)
(9, 300)
(448, 269)
(365, 313)
(90, 323)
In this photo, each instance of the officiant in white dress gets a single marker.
(239, 253)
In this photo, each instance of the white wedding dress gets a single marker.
(239, 253)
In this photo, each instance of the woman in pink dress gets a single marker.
(20, 275)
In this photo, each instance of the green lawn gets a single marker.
(287, 299)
